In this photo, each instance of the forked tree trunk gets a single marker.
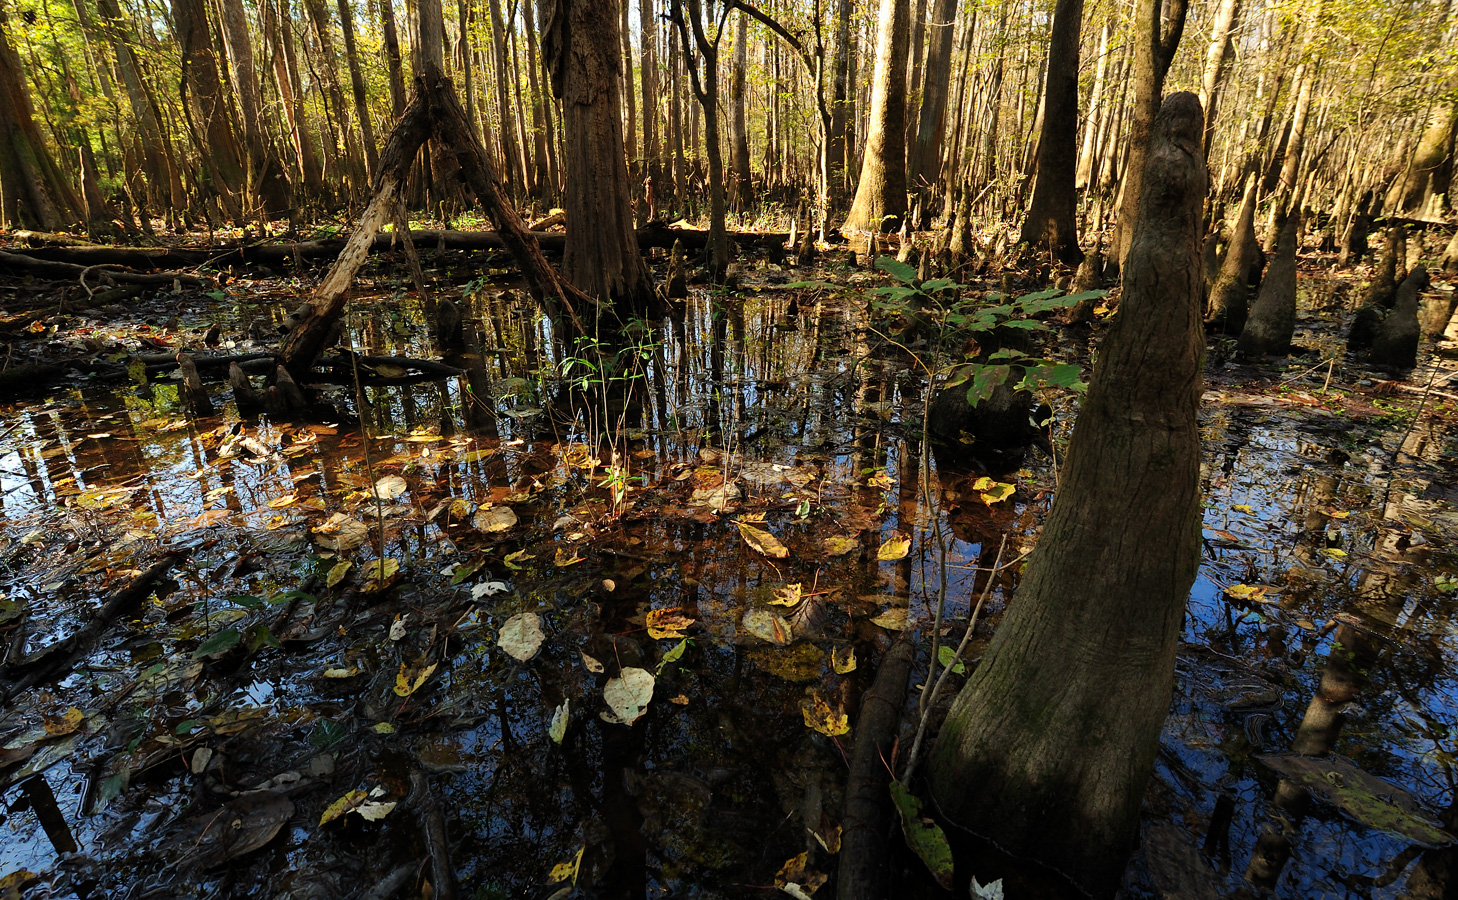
(1049, 746)
(881, 192)
(1051, 221)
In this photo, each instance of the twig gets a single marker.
(929, 703)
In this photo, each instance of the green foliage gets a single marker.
(962, 318)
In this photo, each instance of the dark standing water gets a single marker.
(1320, 622)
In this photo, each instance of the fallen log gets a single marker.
(25, 264)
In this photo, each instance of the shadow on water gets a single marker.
(592, 485)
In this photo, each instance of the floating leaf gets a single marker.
(567, 557)
(221, 642)
(843, 660)
(397, 627)
(820, 716)
(592, 665)
(795, 879)
(1252, 593)
(892, 619)
(894, 547)
(407, 683)
(667, 623)
(281, 502)
(514, 560)
(768, 626)
(672, 656)
(383, 728)
(65, 723)
(789, 595)
(1243, 507)
(489, 589)
(923, 835)
(1335, 553)
(947, 658)
(337, 572)
(340, 532)
(992, 491)
(390, 487)
(565, 870)
(521, 637)
(380, 574)
(374, 812)
(840, 544)
(990, 891)
(627, 696)
(342, 671)
(494, 519)
(343, 805)
(763, 541)
(558, 727)
(1373, 801)
(465, 570)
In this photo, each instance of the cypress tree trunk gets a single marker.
(357, 86)
(202, 88)
(1048, 748)
(1229, 300)
(1050, 221)
(648, 74)
(1272, 319)
(265, 175)
(924, 168)
(278, 33)
(739, 155)
(581, 45)
(881, 192)
(842, 109)
(392, 58)
(1217, 58)
(37, 193)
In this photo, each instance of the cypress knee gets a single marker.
(1049, 746)
(1272, 319)
(1395, 344)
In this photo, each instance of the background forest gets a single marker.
(204, 114)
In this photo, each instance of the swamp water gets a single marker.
(380, 631)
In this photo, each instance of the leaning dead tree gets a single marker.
(433, 113)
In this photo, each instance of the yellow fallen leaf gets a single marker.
(565, 870)
(1335, 553)
(281, 502)
(820, 716)
(992, 491)
(763, 541)
(380, 574)
(566, 557)
(839, 545)
(768, 626)
(65, 723)
(337, 573)
(843, 659)
(407, 682)
(894, 547)
(892, 619)
(343, 805)
(1246, 592)
(1243, 507)
(789, 595)
(668, 623)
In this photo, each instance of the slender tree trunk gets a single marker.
(1050, 745)
(512, 163)
(265, 176)
(278, 32)
(357, 83)
(546, 175)
(880, 200)
(329, 72)
(842, 110)
(392, 57)
(1217, 59)
(1154, 50)
(739, 156)
(583, 52)
(1051, 220)
(1097, 109)
(1429, 171)
(706, 89)
(635, 161)
(924, 169)
(200, 84)
(648, 75)
(164, 185)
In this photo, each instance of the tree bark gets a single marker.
(880, 200)
(739, 134)
(1051, 213)
(842, 109)
(648, 108)
(392, 58)
(265, 176)
(1272, 319)
(1050, 744)
(1155, 44)
(705, 85)
(1217, 59)
(1229, 296)
(1097, 110)
(319, 14)
(278, 32)
(582, 49)
(357, 86)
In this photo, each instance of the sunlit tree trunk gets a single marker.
(323, 30)
(1158, 27)
(924, 168)
(357, 85)
(278, 32)
(648, 76)
(1217, 61)
(841, 108)
(544, 159)
(392, 57)
(689, 19)
(1050, 221)
(265, 175)
(1097, 109)
(582, 50)
(203, 90)
(511, 159)
(739, 155)
(880, 200)
(163, 183)
(1049, 746)
(36, 192)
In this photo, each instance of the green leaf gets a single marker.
(896, 269)
(938, 284)
(247, 601)
(986, 381)
(218, 644)
(947, 657)
(285, 596)
(923, 835)
(672, 656)
(260, 636)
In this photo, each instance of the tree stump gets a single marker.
(1049, 746)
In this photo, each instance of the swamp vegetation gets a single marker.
(703, 448)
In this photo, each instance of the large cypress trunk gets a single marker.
(1272, 319)
(881, 192)
(36, 193)
(200, 84)
(1048, 748)
(583, 53)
